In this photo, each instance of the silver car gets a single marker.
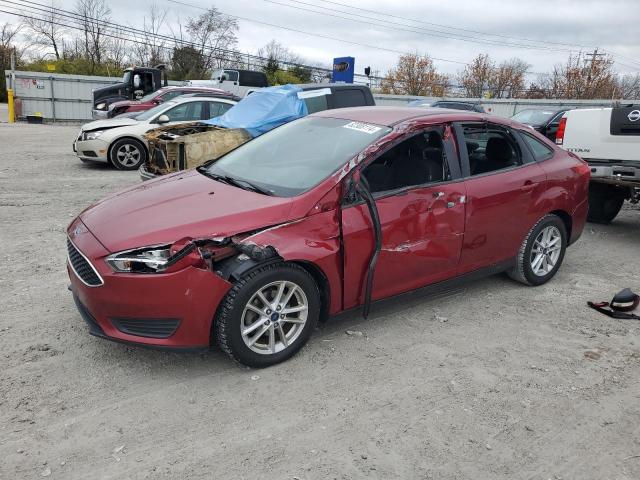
(120, 140)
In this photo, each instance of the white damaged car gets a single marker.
(120, 140)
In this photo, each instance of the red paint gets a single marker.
(430, 233)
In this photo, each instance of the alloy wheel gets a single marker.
(546, 250)
(128, 155)
(274, 317)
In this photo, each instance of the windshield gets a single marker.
(297, 156)
(148, 114)
(533, 117)
(151, 96)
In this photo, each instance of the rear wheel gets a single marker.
(542, 252)
(268, 315)
(605, 202)
(127, 154)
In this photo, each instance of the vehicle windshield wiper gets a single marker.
(236, 182)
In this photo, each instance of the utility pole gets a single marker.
(594, 59)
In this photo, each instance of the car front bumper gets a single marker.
(94, 150)
(137, 308)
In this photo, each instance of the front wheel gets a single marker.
(127, 154)
(542, 252)
(268, 315)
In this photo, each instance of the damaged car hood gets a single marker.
(186, 204)
(110, 123)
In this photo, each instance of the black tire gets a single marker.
(228, 321)
(523, 271)
(127, 163)
(605, 202)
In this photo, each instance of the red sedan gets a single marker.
(322, 215)
(163, 95)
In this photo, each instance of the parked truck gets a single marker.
(238, 82)
(608, 139)
(136, 83)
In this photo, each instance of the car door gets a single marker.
(187, 112)
(503, 188)
(217, 108)
(420, 201)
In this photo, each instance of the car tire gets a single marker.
(605, 202)
(542, 252)
(243, 317)
(127, 154)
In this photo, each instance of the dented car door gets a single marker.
(422, 225)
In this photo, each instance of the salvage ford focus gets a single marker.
(325, 214)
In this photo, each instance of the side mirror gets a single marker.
(163, 119)
(136, 81)
(223, 78)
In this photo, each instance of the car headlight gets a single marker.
(101, 106)
(141, 260)
(93, 135)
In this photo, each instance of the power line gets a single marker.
(410, 28)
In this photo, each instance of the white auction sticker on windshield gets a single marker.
(363, 127)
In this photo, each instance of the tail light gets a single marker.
(560, 133)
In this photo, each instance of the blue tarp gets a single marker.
(264, 110)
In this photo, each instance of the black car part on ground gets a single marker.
(623, 302)
(362, 187)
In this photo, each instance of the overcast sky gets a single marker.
(557, 27)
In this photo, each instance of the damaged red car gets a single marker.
(325, 214)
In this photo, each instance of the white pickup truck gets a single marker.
(608, 139)
(238, 82)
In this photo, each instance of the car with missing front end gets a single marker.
(325, 214)
(120, 141)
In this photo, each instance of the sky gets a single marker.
(541, 32)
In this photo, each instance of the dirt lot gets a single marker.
(495, 381)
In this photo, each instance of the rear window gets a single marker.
(253, 79)
(351, 97)
(539, 149)
(316, 104)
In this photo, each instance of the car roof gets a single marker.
(390, 116)
(217, 91)
(333, 86)
(193, 98)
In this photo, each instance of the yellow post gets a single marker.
(12, 114)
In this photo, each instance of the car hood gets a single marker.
(186, 204)
(124, 103)
(110, 123)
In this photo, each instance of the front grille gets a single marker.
(89, 153)
(81, 266)
(147, 327)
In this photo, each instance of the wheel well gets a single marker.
(566, 219)
(323, 285)
(146, 149)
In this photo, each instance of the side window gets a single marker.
(232, 75)
(421, 159)
(186, 112)
(350, 97)
(540, 150)
(218, 108)
(172, 94)
(316, 104)
(490, 148)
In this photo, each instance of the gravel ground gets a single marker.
(494, 381)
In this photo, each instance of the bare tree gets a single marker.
(415, 75)
(476, 76)
(628, 87)
(213, 34)
(8, 34)
(150, 49)
(94, 14)
(581, 78)
(48, 32)
(507, 79)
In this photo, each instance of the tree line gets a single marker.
(580, 77)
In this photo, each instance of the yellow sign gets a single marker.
(51, 67)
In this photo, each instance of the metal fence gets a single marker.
(499, 107)
(58, 97)
(55, 97)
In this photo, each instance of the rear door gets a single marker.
(504, 185)
(420, 201)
